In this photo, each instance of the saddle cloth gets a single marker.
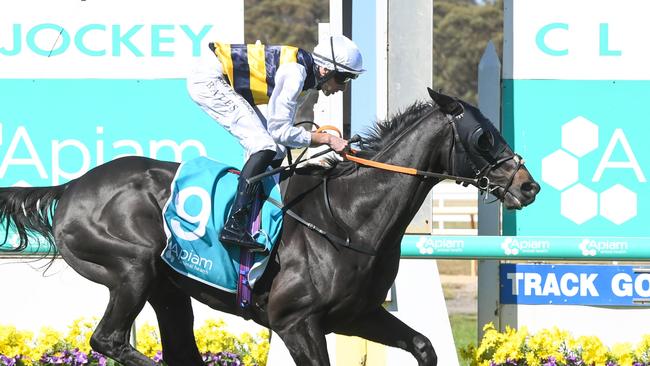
(201, 195)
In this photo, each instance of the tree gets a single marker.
(290, 22)
(462, 29)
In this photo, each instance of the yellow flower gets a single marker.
(512, 345)
(642, 351)
(212, 336)
(79, 333)
(547, 343)
(593, 350)
(624, 354)
(48, 340)
(14, 342)
(535, 349)
(148, 340)
(257, 347)
(491, 341)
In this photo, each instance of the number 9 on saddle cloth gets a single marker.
(201, 195)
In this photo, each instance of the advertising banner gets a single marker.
(536, 284)
(120, 39)
(575, 83)
(84, 82)
(582, 248)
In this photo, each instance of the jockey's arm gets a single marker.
(289, 81)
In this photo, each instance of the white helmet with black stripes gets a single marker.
(339, 53)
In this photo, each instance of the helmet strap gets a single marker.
(320, 80)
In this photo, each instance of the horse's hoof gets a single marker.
(424, 351)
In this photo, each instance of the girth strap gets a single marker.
(337, 240)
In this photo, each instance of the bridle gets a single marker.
(480, 179)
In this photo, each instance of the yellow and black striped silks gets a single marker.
(251, 68)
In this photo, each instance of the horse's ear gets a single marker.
(448, 105)
(434, 95)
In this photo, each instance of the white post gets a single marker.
(489, 215)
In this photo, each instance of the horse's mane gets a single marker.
(374, 140)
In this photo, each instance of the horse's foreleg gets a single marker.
(382, 327)
(176, 322)
(305, 341)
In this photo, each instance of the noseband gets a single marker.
(483, 182)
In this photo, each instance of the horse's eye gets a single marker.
(485, 141)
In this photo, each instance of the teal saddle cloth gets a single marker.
(201, 195)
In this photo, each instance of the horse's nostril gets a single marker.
(530, 188)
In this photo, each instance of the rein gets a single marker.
(480, 180)
(409, 171)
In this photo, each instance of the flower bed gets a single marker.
(50, 347)
(552, 347)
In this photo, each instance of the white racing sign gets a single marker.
(115, 39)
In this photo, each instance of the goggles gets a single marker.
(342, 77)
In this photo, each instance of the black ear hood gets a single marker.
(447, 104)
(480, 143)
(479, 136)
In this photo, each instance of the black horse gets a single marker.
(107, 225)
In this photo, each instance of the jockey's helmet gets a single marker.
(341, 56)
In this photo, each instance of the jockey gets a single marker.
(253, 92)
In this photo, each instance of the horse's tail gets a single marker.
(28, 210)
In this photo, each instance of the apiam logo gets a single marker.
(590, 247)
(514, 246)
(22, 151)
(427, 245)
(176, 253)
(579, 203)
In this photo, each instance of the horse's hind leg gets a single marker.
(112, 335)
(108, 227)
(129, 275)
(176, 323)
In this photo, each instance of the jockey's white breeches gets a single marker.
(210, 90)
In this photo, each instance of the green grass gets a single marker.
(463, 326)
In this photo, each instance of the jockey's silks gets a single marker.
(251, 68)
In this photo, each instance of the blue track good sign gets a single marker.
(535, 284)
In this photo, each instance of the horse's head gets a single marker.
(479, 151)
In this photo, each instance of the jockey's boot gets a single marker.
(235, 230)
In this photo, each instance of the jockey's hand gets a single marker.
(337, 144)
